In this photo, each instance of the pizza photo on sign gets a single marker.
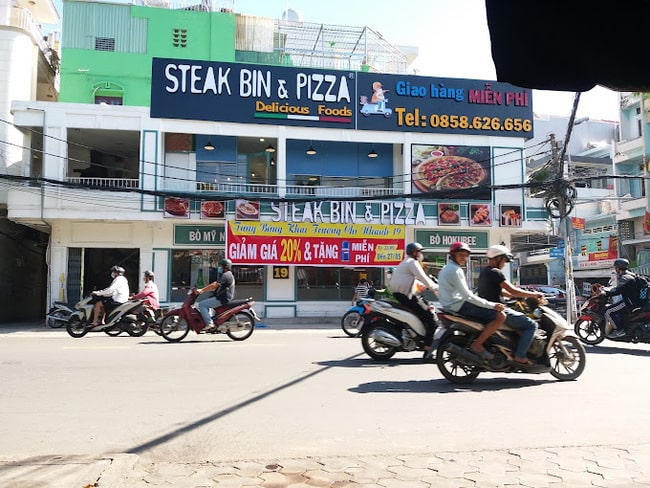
(247, 210)
(177, 207)
(480, 214)
(458, 168)
(448, 213)
(510, 215)
(212, 210)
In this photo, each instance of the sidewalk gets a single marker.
(574, 467)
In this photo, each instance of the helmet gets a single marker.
(499, 250)
(117, 269)
(226, 263)
(459, 246)
(413, 246)
(622, 263)
(149, 274)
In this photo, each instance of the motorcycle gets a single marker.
(351, 320)
(131, 317)
(592, 328)
(389, 327)
(553, 350)
(236, 319)
(59, 314)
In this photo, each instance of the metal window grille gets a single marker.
(104, 44)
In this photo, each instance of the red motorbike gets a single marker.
(235, 319)
(592, 328)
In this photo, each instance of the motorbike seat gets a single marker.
(456, 317)
(237, 302)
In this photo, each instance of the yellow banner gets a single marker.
(317, 229)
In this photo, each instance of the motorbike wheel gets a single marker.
(450, 366)
(589, 332)
(113, 331)
(76, 327)
(240, 326)
(137, 329)
(567, 359)
(351, 322)
(174, 328)
(374, 349)
(57, 319)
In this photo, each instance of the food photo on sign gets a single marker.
(177, 207)
(247, 210)
(510, 215)
(449, 213)
(480, 214)
(212, 209)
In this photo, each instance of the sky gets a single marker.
(452, 38)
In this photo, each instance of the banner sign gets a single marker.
(307, 97)
(314, 244)
(442, 240)
(597, 250)
(199, 234)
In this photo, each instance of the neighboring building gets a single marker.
(29, 63)
(181, 136)
(594, 232)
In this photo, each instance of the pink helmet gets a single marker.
(459, 246)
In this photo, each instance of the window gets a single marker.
(179, 38)
(104, 44)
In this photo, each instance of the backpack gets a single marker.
(643, 288)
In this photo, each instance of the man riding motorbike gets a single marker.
(224, 291)
(403, 286)
(113, 296)
(492, 283)
(455, 296)
(627, 288)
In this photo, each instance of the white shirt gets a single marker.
(119, 290)
(405, 275)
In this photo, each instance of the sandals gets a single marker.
(527, 362)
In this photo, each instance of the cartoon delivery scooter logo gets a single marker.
(377, 103)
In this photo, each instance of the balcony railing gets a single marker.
(294, 190)
(126, 183)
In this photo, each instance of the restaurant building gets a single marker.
(185, 135)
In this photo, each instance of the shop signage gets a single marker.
(314, 244)
(440, 239)
(281, 272)
(599, 249)
(199, 234)
(279, 95)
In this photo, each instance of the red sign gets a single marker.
(577, 223)
(314, 243)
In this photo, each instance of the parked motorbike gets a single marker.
(553, 350)
(59, 314)
(389, 327)
(131, 317)
(351, 320)
(236, 319)
(592, 328)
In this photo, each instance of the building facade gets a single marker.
(172, 146)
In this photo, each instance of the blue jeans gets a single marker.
(526, 326)
(205, 306)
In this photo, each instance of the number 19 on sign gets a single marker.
(281, 272)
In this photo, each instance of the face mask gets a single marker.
(420, 257)
(113, 275)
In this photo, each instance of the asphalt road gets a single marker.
(289, 392)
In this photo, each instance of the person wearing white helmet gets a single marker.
(116, 294)
(455, 296)
(492, 284)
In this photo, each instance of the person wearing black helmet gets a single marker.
(403, 285)
(626, 287)
(455, 296)
(224, 291)
(116, 294)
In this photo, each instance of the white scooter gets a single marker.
(389, 327)
(130, 317)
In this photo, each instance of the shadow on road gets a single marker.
(617, 350)
(443, 386)
(366, 362)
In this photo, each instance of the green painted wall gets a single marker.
(210, 36)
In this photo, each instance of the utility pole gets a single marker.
(559, 205)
